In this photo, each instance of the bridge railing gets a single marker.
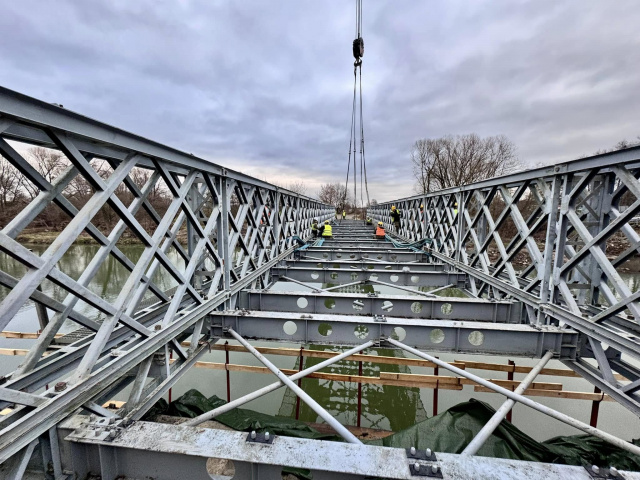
(236, 228)
(560, 239)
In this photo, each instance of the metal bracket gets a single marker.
(418, 454)
(380, 318)
(420, 470)
(255, 437)
(372, 295)
(603, 472)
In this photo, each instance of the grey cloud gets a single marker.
(266, 86)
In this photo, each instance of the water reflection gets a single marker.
(383, 406)
(107, 283)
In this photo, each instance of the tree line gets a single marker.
(16, 191)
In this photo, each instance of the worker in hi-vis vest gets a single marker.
(326, 230)
(395, 218)
(314, 227)
(344, 214)
(380, 233)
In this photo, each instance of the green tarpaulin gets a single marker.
(449, 432)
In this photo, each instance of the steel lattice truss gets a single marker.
(237, 228)
(530, 249)
(541, 237)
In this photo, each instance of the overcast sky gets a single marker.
(265, 87)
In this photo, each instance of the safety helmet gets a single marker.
(326, 222)
(380, 223)
(455, 204)
(393, 207)
(421, 206)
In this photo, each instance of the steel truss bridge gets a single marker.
(529, 249)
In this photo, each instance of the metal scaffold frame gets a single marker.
(566, 301)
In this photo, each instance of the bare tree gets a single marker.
(334, 194)
(297, 186)
(452, 161)
(10, 183)
(49, 163)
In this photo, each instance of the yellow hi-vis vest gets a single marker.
(327, 231)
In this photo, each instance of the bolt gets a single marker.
(157, 327)
(266, 436)
(416, 467)
(428, 452)
(253, 435)
(92, 417)
(112, 434)
(434, 468)
(595, 469)
(613, 471)
(413, 451)
(60, 386)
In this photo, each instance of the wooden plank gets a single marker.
(532, 392)
(24, 335)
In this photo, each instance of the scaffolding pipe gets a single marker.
(493, 423)
(618, 442)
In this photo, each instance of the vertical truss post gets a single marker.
(223, 234)
(552, 201)
(459, 225)
(192, 236)
(277, 226)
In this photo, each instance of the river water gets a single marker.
(385, 407)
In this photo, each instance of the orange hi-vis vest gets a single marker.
(380, 232)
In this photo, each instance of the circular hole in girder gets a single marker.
(361, 332)
(416, 307)
(387, 306)
(330, 303)
(476, 338)
(290, 327)
(398, 333)
(373, 276)
(415, 278)
(436, 335)
(394, 278)
(388, 267)
(220, 468)
(325, 255)
(365, 255)
(334, 275)
(319, 264)
(338, 255)
(353, 255)
(336, 265)
(315, 275)
(354, 276)
(302, 302)
(325, 329)
(358, 305)
(446, 308)
(394, 256)
(379, 256)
